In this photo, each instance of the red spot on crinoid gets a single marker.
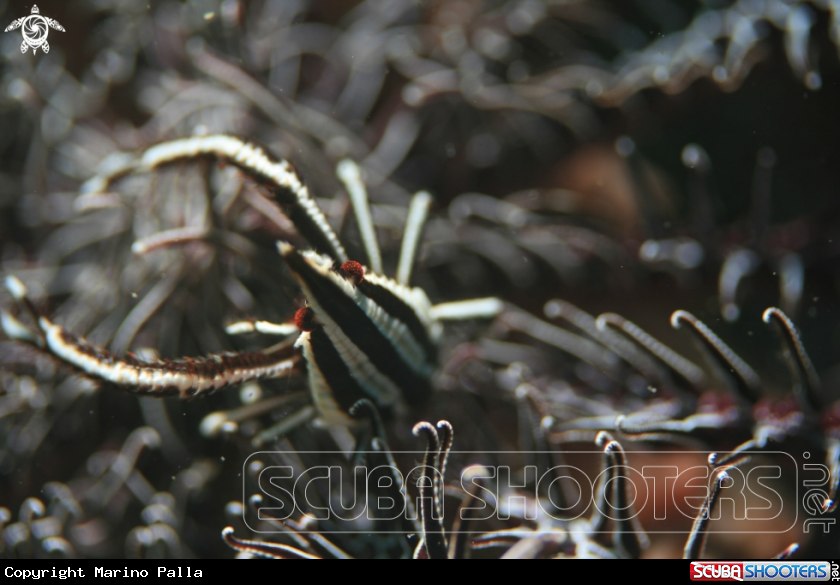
(305, 319)
(355, 270)
(830, 420)
(715, 402)
(767, 410)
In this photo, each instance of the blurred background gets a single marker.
(633, 156)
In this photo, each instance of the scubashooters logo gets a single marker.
(35, 29)
(760, 571)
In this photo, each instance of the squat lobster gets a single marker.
(362, 334)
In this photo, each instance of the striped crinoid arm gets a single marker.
(185, 377)
(740, 378)
(806, 381)
(278, 176)
(629, 539)
(699, 531)
(433, 544)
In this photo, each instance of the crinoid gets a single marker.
(438, 535)
(363, 335)
(527, 527)
(78, 518)
(773, 430)
(584, 156)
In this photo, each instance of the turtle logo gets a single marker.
(35, 30)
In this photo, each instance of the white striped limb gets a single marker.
(265, 327)
(465, 310)
(185, 377)
(351, 176)
(418, 211)
(279, 177)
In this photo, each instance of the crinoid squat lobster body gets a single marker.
(363, 335)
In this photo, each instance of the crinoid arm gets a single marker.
(185, 377)
(740, 378)
(629, 538)
(806, 381)
(270, 550)
(677, 364)
(433, 545)
(699, 531)
(277, 176)
(264, 327)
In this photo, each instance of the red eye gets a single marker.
(305, 319)
(355, 270)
